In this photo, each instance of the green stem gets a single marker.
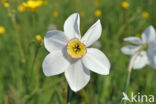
(18, 38)
(130, 70)
(69, 92)
(128, 81)
(34, 22)
(35, 56)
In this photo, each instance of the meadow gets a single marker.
(22, 50)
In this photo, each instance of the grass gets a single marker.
(21, 77)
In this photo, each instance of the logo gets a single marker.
(138, 98)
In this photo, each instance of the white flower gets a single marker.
(146, 46)
(69, 53)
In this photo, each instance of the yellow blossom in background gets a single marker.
(5, 4)
(32, 5)
(125, 5)
(21, 8)
(96, 3)
(2, 30)
(145, 15)
(82, 13)
(38, 38)
(98, 13)
(55, 13)
(138, 35)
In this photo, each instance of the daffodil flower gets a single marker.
(146, 47)
(69, 53)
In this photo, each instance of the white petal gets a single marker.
(77, 76)
(133, 40)
(93, 34)
(54, 63)
(149, 34)
(72, 26)
(96, 61)
(140, 61)
(129, 50)
(152, 54)
(55, 40)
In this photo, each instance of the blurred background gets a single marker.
(23, 24)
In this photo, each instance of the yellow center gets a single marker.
(76, 49)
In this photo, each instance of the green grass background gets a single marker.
(24, 82)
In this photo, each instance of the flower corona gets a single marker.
(76, 49)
